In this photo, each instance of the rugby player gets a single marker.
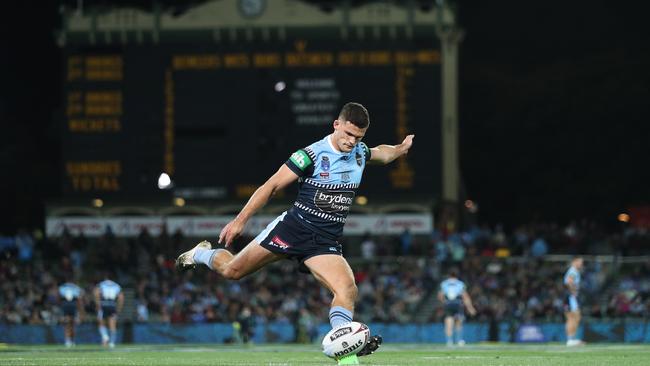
(455, 299)
(329, 172)
(109, 300)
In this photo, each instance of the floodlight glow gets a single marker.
(362, 200)
(164, 181)
(624, 217)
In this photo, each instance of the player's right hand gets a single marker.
(230, 232)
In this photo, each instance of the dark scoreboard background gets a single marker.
(220, 119)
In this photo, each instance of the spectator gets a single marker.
(539, 247)
(368, 247)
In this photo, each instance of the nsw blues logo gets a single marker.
(325, 163)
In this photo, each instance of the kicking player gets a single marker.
(454, 297)
(72, 305)
(329, 172)
(571, 305)
(109, 300)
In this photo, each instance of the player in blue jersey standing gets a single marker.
(571, 305)
(455, 298)
(329, 172)
(109, 300)
(71, 301)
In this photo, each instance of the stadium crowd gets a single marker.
(510, 277)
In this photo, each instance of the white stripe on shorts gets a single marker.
(269, 227)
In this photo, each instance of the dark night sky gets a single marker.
(554, 103)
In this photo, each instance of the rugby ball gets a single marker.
(345, 340)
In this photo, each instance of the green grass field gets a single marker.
(293, 355)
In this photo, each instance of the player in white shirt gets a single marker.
(455, 298)
(571, 305)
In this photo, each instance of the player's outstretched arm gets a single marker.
(282, 178)
(384, 154)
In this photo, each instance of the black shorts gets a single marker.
(571, 303)
(286, 235)
(454, 309)
(69, 308)
(107, 312)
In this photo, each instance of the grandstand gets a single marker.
(511, 285)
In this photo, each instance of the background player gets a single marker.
(571, 306)
(454, 298)
(71, 298)
(330, 172)
(109, 300)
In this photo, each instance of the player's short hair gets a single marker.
(356, 114)
(453, 272)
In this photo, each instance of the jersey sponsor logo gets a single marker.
(333, 249)
(279, 243)
(110, 293)
(333, 202)
(324, 175)
(345, 177)
(325, 163)
(301, 159)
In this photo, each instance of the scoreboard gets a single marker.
(220, 119)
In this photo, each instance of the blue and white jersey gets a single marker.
(69, 291)
(573, 273)
(452, 289)
(328, 183)
(108, 292)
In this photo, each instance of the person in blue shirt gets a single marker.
(71, 301)
(571, 305)
(455, 298)
(329, 172)
(109, 300)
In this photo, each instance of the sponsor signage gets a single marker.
(130, 226)
(530, 333)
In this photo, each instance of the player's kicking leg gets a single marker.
(232, 267)
(334, 272)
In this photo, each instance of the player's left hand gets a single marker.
(230, 232)
(406, 144)
(472, 312)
